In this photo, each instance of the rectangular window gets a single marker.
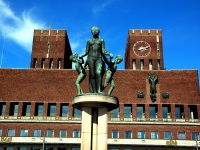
(154, 135)
(127, 111)
(64, 110)
(142, 64)
(128, 134)
(166, 111)
(192, 112)
(22, 148)
(141, 135)
(181, 135)
(2, 108)
(76, 113)
(13, 109)
(26, 109)
(179, 112)
(150, 64)
(35, 148)
(39, 107)
(153, 111)
(63, 133)
(115, 113)
(11, 132)
(59, 63)
(195, 136)
(76, 133)
(134, 64)
(24, 133)
(50, 133)
(9, 148)
(168, 135)
(140, 111)
(115, 134)
(0, 132)
(43, 63)
(37, 133)
(51, 110)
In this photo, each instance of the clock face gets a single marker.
(141, 48)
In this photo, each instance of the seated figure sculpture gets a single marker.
(80, 70)
(112, 67)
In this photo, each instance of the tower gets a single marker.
(144, 50)
(51, 50)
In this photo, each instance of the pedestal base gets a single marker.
(94, 119)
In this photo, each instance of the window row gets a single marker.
(38, 109)
(51, 63)
(38, 133)
(153, 111)
(38, 148)
(155, 135)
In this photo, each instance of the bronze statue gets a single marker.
(80, 70)
(95, 50)
(153, 80)
(112, 67)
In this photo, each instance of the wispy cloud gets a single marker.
(18, 28)
(100, 7)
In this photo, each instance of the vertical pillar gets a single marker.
(94, 128)
(102, 128)
(86, 142)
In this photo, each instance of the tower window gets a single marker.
(59, 63)
(2, 108)
(51, 63)
(142, 64)
(134, 64)
(158, 64)
(150, 64)
(39, 109)
(13, 109)
(35, 63)
(43, 63)
(26, 109)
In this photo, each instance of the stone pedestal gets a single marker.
(94, 119)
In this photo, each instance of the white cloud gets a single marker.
(18, 28)
(97, 9)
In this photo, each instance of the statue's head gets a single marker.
(118, 59)
(95, 31)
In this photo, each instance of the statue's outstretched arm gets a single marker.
(86, 50)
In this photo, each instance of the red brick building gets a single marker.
(36, 109)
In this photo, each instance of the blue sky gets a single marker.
(179, 21)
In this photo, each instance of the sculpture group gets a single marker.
(96, 59)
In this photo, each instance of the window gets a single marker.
(181, 135)
(63, 133)
(11, 132)
(76, 133)
(2, 108)
(37, 133)
(115, 113)
(43, 63)
(13, 109)
(128, 134)
(153, 111)
(0, 132)
(64, 110)
(75, 148)
(24, 132)
(39, 109)
(22, 148)
(59, 63)
(115, 134)
(127, 111)
(192, 112)
(9, 148)
(141, 135)
(195, 136)
(77, 113)
(150, 64)
(26, 109)
(50, 133)
(154, 135)
(166, 111)
(134, 64)
(168, 135)
(140, 111)
(35, 148)
(51, 110)
(179, 112)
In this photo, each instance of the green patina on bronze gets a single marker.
(96, 53)
(153, 80)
